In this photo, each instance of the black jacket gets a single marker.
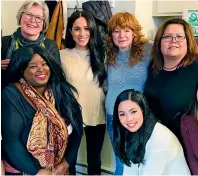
(101, 11)
(16, 118)
(6, 42)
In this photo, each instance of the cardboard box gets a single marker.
(191, 16)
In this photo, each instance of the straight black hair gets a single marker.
(66, 103)
(95, 45)
(128, 146)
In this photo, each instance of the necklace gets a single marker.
(171, 67)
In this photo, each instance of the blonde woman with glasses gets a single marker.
(33, 19)
(172, 80)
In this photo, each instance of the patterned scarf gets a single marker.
(18, 40)
(48, 137)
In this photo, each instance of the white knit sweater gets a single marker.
(80, 75)
(164, 155)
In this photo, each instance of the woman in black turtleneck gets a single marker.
(173, 78)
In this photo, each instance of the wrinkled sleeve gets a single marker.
(5, 44)
(72, 148)
(166, 162)
(188, 144)
(14, 150)
(53, 49)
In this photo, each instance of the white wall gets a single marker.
(9, 10)
(142, 9)
(128, 6)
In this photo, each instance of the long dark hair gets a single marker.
(130, 147)
(66, 104)
(96, 48)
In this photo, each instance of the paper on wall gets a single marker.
(191, 16)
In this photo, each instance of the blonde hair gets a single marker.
(29, 4)
(125, 20)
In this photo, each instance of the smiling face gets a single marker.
(31, 29)
(122, 38)
(80, 33)
(130, 115)
(174, 49)
(37, 72)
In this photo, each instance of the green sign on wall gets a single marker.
(191, 16)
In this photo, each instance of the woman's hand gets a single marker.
(44, 172)
(61, 168)
(4, 63)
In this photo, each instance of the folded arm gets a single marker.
(14, 150)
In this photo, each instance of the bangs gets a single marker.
(123, 20)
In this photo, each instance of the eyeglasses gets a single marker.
(178, 38)
(37, 18)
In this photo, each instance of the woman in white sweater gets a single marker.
(83, 64)
(145, 146)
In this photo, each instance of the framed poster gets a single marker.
(191, 16)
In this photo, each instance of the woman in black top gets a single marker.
(41, 119)
(173, 77)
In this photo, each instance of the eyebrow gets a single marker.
(34, 62)
(129, 110)
(175, 34)
(80, 27)
(34, 15)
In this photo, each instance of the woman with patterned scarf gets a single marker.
(41, 119)
(145, 146)
(33, 18)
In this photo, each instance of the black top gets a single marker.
(170, 93)
(50, 45)
(16, 119)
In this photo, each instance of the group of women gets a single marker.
(50, 97)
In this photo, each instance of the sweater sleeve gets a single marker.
(177, 164)
(53, 49)
(164, 154)
(72, 148)
(5, 44)
(155, 163)
(14, 150)
(190, 145)
(158, 163)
